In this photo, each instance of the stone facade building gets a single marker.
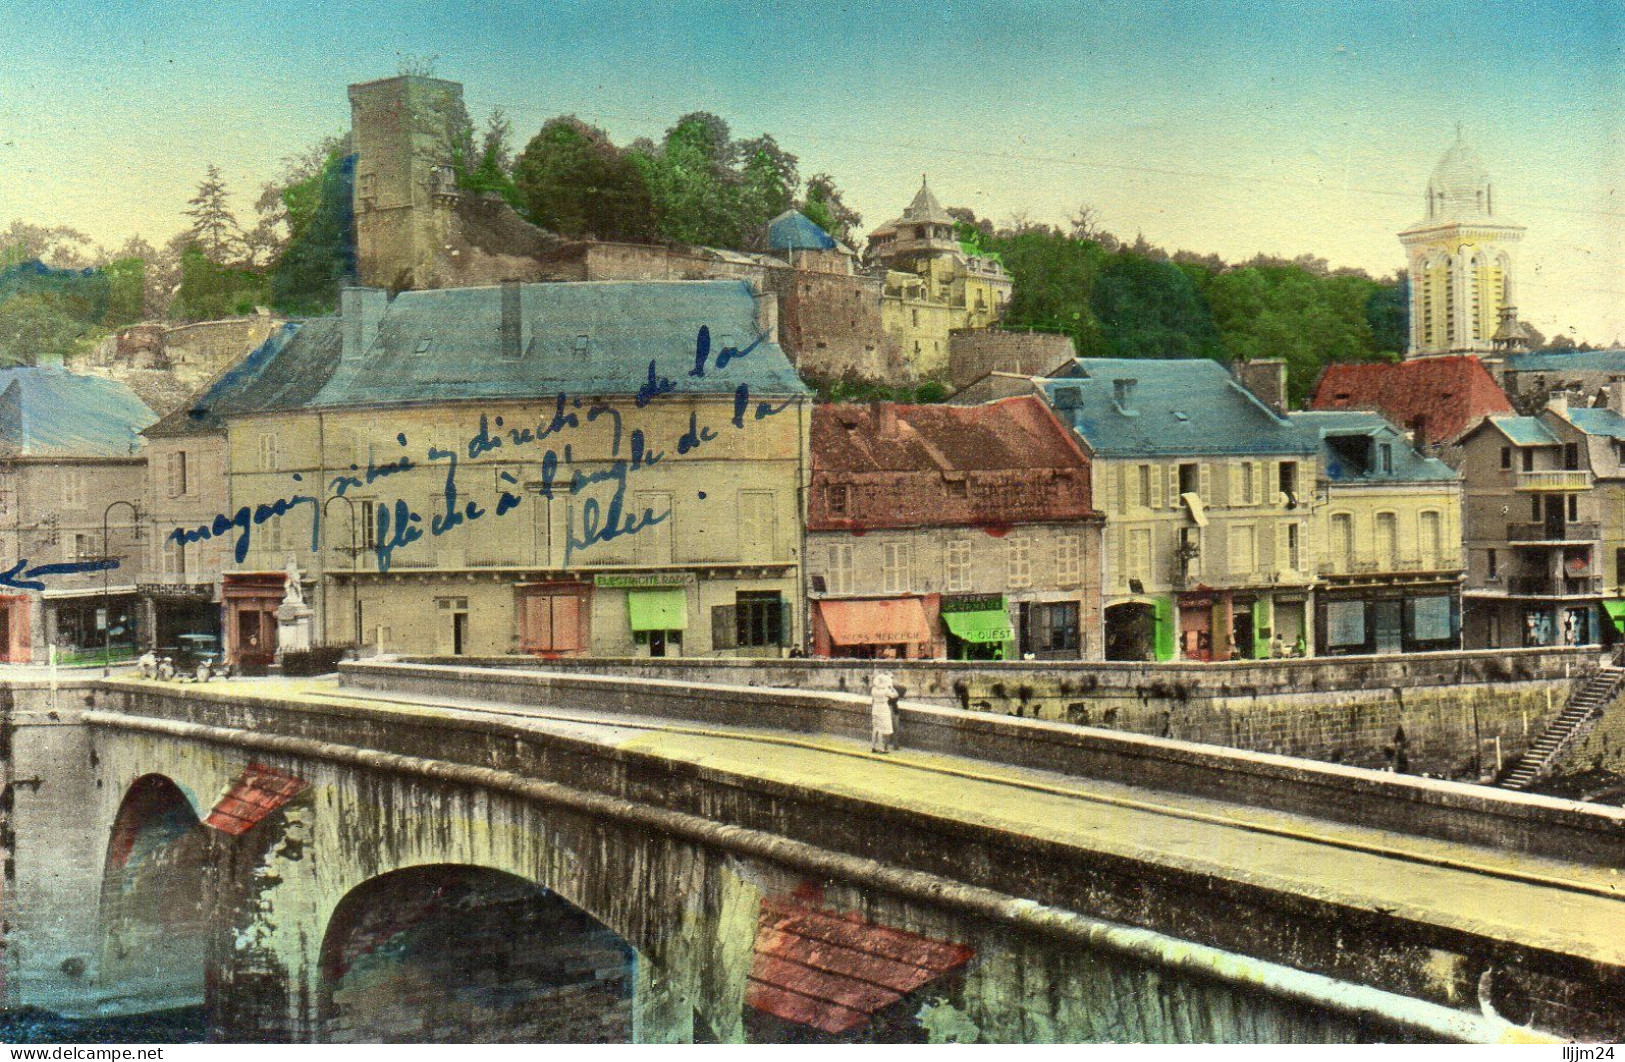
(1387, 525)
(1545, 515)
(550, 469)
(966, 533)
(975, 352)
(71, 463)
(934, 284)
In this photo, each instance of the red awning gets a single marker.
(257, 792)
(833, 971)
(900, 621)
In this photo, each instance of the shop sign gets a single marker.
(643, 581)
(199, 591)
(981, 603)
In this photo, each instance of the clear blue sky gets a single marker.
(1225, 127)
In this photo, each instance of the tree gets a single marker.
(1149, 308)
(822, 204)
(214, 227)
(55, 245)
(209, 290)
(765, 188)
(692, 183)
(1085, 223)
(320, 255)
(573, 181)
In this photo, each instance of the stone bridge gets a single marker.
(422, 852)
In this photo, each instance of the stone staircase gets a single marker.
(1584, 707)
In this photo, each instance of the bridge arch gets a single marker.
(154, 915)
(452, 952)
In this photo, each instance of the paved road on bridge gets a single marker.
(1570, 908)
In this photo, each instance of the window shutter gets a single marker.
(1283, 551)
(1204, 479)
(1173, 486)
(1103, 476)
(1156, 486)
(1232, 483)
(724, 626)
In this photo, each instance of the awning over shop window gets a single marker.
(988, 626)
(896, 622)
(1198, 511)
(658, 610)
(1616, 612)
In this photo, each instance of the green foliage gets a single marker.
(573, 181)
(851, 388)
(126, 294)
(1149, 308)
(320, 255)
(36, 329)
(209, 290)
(1054, 278)
(823, 206)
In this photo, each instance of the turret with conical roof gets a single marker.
(1460, 267)
(924, 228)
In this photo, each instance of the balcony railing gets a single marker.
(1545, 585)
(1555, 479)
(1539, 532)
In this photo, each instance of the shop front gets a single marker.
(178, 609)
(15, 628)
(89, 626)
(1557, 624)
(1395, 620)
(554, 618)
(884, 629)
(1196, 627)
(250, 601)
(1140, 630)
(978, 628)
(659, 616)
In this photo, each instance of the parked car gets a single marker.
(193, 652)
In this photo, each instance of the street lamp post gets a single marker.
(107, 597)
(355, 568)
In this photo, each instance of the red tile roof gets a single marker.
(1012, 433)
(1448, 394)
(833, 971)
(258, 791)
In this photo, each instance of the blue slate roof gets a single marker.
(1334, 431)
(46, 411)
(795, 231)
(1179, 406)
(1598, 422)
(284, 372)
(1568, 361)
(581, 339)
(1525, 431)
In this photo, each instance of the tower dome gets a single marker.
(1460, 185)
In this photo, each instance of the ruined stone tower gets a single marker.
(405, 186)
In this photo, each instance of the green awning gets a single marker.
(1616, 612)
(658, 610)
(989, 626)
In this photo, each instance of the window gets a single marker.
(958, 568)
(1506, 457)
(1293, 548)
(1190, 551)
(1432, 537)
(268, 453)
(1248, 487)
(1287, 479)
(840, 569)
(1387, 540)
(1137, 565)
(1534, 508)
(1069, 560)
(582, 345)
(1055, 626)
(367, 513)
(1342, 545)
(1018, 560)
(1528, 460)
(73, 488)
(958, 488)
(760, 618)
(1574, 508)
(894, 567)
(1243, 549)
(1190, 479)
(1386, 451)
(84, 547)
(175, 559)
(1492, 564)
(1145, 486)
(177, 474)
(838, 497)
(1571, 456)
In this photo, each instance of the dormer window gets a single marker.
(581, 346)
(423, 346)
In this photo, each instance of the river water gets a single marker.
(34, 1026)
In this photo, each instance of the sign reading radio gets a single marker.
(640, 582)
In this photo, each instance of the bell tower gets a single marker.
(1459, 259)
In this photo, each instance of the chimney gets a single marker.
(1123, 395)
(511, 319)
(361, 310)
(1558, 402)
(1616, 394)
(885, 417)
(767, 315)
(1266, 379)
